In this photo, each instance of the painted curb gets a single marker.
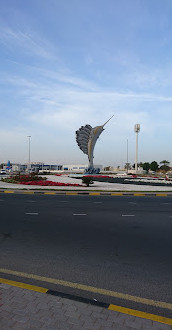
(94, 302)
(88, 193)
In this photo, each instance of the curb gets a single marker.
(94, 302)
(89, 193)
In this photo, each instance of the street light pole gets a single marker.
(29, 136)
(137, 130)
(127, 156)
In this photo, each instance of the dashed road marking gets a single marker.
(79, 213)
(166, 203)
(32, 213)
(97, 202)
(128, 215)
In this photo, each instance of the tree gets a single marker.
(146, 166)
(165, 166)
(154, 166)
(140, 164)
(165, 162)
(127, 166)
(107, 168)
(87, 180)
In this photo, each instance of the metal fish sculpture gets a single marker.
(86, 138)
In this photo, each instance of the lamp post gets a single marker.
(137, 130)
(29, 136)
(127, 156)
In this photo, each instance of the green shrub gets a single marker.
(87, 180)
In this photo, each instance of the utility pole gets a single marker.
(137, 130)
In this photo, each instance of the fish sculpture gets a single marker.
(86, 138)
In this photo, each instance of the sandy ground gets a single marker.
(96, 186)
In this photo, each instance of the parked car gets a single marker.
(34, 170)
(3, 172)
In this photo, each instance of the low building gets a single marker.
(36, 166)
(79, 168)
(19, 167)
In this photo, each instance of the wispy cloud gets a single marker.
(75, 100)
(26, 42)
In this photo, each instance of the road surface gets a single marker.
(112, 248)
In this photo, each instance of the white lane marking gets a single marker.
(63, 201)
(30, 201)
(128, 215)
(79, 213)
(32, 213)
(132, 203)
(165, 203)
(97, 202)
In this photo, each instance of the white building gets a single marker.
(79, 168)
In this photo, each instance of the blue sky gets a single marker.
(68, 63)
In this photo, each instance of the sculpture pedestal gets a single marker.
(92, 170)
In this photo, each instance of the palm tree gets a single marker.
(165, 162)
(127, 166)
(165, 166)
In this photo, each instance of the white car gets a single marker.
(3, 172)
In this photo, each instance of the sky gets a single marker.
(68, 63)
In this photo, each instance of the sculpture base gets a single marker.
(92, 170)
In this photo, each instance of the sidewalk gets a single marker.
(25, 309)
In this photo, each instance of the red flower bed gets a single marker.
(26, 177)
(49, 183)
(34, 179)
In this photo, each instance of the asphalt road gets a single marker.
(121, 244)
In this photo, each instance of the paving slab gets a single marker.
(25, 309)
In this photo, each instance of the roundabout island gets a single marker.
(101, 183)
